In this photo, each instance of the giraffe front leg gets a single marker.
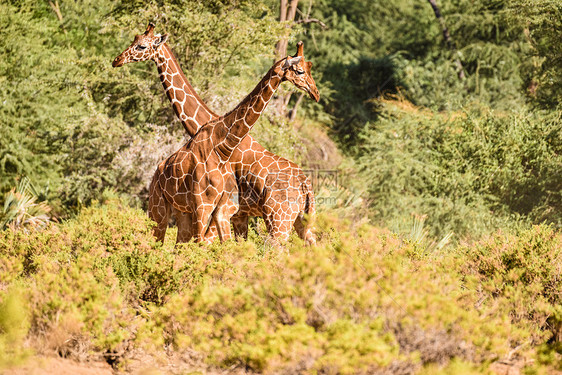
(202, 222)
(212, 232)
(226, 208)
(222, 226)
(184, 222)
(222, 214)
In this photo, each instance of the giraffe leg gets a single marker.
(240, 224)
(216, 227)
(304, 222)
(304, 229)
(206, 225)
(221, 216)
(222, 228)
(159, 210)
(279, 228)
(183, 222)
(212, 232)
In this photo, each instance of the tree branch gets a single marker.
(56, 9)
(293, 112)
(312, 20)
(283, 10)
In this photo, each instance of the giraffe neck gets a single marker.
(187, 105)
(238, 122)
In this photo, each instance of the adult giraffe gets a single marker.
(270, 186)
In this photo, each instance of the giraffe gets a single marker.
(270, 186)
(199, 178)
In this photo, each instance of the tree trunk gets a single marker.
(287, 13)
(447, 37)
(293, 112)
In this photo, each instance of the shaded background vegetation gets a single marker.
(470, 154)
(463, 171)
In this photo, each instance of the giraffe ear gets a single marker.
(291, 61)
(162, 39)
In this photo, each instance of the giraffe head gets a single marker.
(144, 47)
(296, 70)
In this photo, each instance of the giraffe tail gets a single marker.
(309, 204)
(310, 211)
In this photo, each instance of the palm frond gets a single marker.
(21, 208)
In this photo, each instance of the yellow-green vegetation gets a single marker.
(363, 300)
(464, 171)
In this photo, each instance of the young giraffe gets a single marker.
(270, 186)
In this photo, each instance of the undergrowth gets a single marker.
(364, 300)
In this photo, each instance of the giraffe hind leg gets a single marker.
(159, 211)
(304, 230)
(279, 230)
(184, 223)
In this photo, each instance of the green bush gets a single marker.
(14, 324)
(526, 268)
(363, 300)
(469, 172)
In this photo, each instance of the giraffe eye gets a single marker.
(141, 47)
(300, 71)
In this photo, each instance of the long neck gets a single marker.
(238, 123)
(187, 105)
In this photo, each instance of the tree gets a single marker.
(287, 13)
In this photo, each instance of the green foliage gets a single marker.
(525, 268)
(100, 284)
(13, 328)
(541, 22)
(375, 47)
(468, 172)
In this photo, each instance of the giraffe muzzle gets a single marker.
(314, 94)
(117, 62)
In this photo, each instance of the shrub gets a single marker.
(363, 300)
(526, 268)
(14, 325)
(469, 172)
